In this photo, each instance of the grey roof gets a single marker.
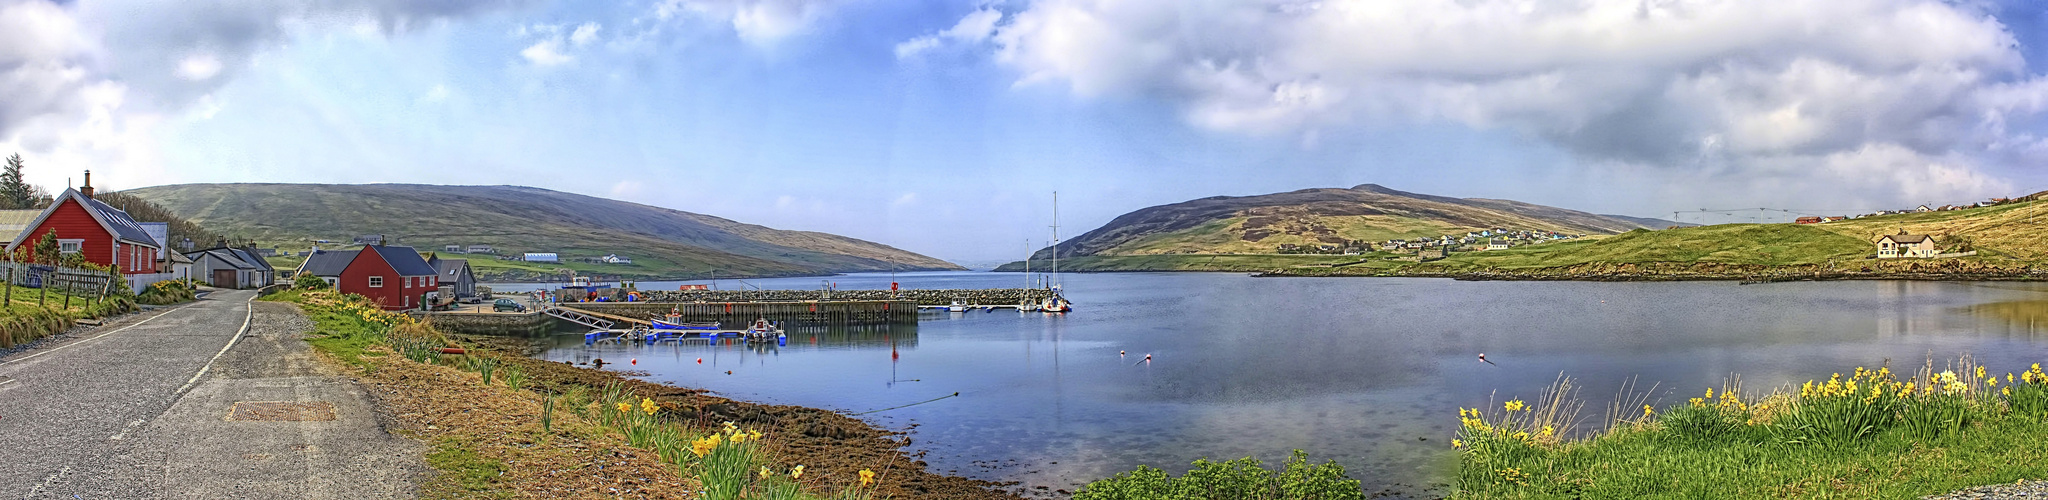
(225, 256)
(252, 258)
(405, 260)
(450, 267)
(125, 227)
(328, 263)
(1906, 238)
(161, 232)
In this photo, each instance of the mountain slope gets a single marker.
(1259, 224)
(662, 242)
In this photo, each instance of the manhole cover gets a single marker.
(281, 411)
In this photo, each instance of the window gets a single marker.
(70, 246)
(376, 282)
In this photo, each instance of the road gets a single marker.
(140, 408)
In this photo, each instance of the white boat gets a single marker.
(958, 306)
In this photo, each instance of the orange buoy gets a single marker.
(634, 361)
(700, 361)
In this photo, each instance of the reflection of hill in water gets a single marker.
(2023, 316)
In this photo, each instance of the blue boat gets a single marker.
(672, 324)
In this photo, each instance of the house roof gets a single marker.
(252, 258)
(405, 260)
(450, 268)
(327, 263)
(14, 222)
(1905, 238)
(225, 257)
(112, 219)
(179, 258)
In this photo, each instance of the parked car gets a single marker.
(502, 305)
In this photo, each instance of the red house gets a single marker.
(395, 277)
(97, 231)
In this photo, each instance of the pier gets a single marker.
(935, 297)
(822, 312)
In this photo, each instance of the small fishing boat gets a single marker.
(959, 305)
(671, 324)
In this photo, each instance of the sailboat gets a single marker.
(1055, 303)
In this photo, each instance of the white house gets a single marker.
(615, 259)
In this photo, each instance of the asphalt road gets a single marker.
(141, 409)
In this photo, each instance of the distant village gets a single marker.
(1432, 248)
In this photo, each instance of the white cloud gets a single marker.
(198, 67)
(546, 53)
(760, 22)
(1742, 85)
(973, 29)
(439, 93)
(89, 83)
(585, 34)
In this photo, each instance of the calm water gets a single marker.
(1369, 372)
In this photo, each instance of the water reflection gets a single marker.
(1369, 372)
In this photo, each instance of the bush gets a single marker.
(167, 292)
(307, 281)
(1235, 479)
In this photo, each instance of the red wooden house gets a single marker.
(97, 231)
(395, 277)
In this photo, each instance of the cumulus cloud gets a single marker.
(1740, 84)
(546, 53)
(759, 22)
(87, 82)
(585, 33)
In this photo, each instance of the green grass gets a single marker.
(464, 473)
(1879, 439)
(22, 320)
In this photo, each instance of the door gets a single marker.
(224, 278)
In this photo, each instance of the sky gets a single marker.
(945, 127)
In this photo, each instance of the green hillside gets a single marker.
(662, 243)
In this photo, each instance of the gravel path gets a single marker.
(2022, 489)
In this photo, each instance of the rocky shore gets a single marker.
(834, 446)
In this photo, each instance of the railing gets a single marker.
(578, 318)
(87, 283)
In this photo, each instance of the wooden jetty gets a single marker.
(824, 312)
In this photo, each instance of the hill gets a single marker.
(2008, 241)
(1247, 225)
(663, 243)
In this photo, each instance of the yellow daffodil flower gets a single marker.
(867, 477)
(796, 473)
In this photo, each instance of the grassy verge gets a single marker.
(487, 426)
(35, 313)
(1871, 434)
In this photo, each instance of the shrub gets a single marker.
(307, 281)
(1235, 479)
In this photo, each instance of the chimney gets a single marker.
(87, 190)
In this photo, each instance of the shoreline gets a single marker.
(823, 440)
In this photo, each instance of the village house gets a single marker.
(1497, 244)
(232, 268)
(369, 239)
(481, 249)
(456, 273)
(452, 249)
(14, 222)
(1902, 245)
(614, 259)
(96, 232)
(394, 277)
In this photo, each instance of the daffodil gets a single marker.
(797, 472)
(647, 405)
(1647, 411)
(625, 407)
(1515, 405)
(1980, 372)
(867, 477)
(1457, 444)
(765, 472)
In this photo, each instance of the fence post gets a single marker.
(10, 287)
(69, 289)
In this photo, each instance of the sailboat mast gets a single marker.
(1055, 236)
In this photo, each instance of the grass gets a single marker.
(1871, 434)
(464, 473)
(23, 320)
(353, 331)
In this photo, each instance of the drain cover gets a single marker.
(281, 411)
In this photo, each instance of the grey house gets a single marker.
(455, 272)
(231, 268)
(328, 264)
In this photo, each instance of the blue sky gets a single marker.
(944, 127)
